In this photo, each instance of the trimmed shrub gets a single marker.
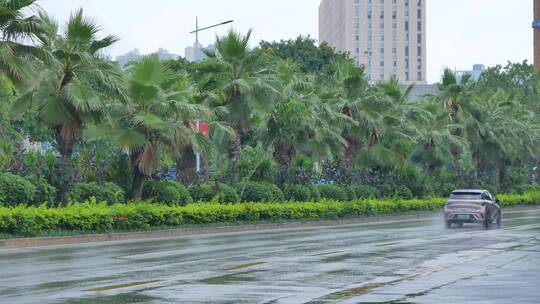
(201, 192)
(253, 192)
(227, 194)
(298, 193)
(364, 191)
(15, 190)
(108, 192)
(315, 194)
(351, 195)
(45, 193)
(333, 192)
(94, 217)
(276, 195)
(167, 192)
(403, 193)
(100, 217)
(207, 192)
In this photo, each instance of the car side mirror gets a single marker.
(497, 201)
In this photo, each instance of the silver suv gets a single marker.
(472, 206)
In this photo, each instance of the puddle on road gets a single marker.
(243, 266)
(111, 287)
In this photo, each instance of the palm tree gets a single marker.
(373, 138)
(74, 87)
(455, 95)
(16, 29)
(298, 120)
(243, 91)
(155, 119)
(435, 139)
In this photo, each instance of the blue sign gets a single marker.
(536, 24)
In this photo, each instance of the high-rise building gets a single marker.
(196, 52)
(388, 37)
(475, 73)
(135, 55)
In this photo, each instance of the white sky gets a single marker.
(460, 32)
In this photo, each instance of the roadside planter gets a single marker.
(93, 217)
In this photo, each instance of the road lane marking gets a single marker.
(111, 287)
(327, 253)
(243, 266)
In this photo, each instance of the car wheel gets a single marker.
(460, 225)
(499, 220)
(448, 224)
(486, 220)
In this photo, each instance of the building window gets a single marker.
(382, 50)
(407, 76)
(394, 63)
(419, 25)
(419, 75)
(419, 38)
(381, 77)
(419, 14)
(394, 50)
(406, 51)
(381, 63)
(407, 63)
(419, 51)
(406, 26)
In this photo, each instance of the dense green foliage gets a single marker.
(281, 117)
(107, 192)
(94, 217)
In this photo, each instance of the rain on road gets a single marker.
(414, 261)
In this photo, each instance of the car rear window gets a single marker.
(466, 195)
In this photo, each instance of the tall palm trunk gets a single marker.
(138, 178)
(186, 172)
(283, 155)
(347, 160)
(234, 151)
(65, 169)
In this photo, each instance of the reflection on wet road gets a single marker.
(407, 262)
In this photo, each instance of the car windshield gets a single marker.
(466, 195)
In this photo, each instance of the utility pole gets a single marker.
(536, 27)
(198, 120)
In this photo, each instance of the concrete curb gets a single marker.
(172, 233)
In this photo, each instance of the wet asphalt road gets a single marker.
(409, 262)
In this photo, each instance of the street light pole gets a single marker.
(198, 120)
(197, 30)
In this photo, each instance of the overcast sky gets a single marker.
(460, 32)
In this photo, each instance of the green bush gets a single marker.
(258, 192)
(257, 164)
(15, 190)
(202, 192)
(108, 192)
(403, 193)
(333, 192)
(351, 195)
(45, 193)
(167, 192)
(314, 192)
(207, 191)
(364, 191)
(298, 193)
(276, 195)
(100, 217)
(227, 194)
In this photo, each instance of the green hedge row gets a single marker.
(100, 217)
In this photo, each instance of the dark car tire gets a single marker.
(448, 224)
(486, 222)
(499, 220)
